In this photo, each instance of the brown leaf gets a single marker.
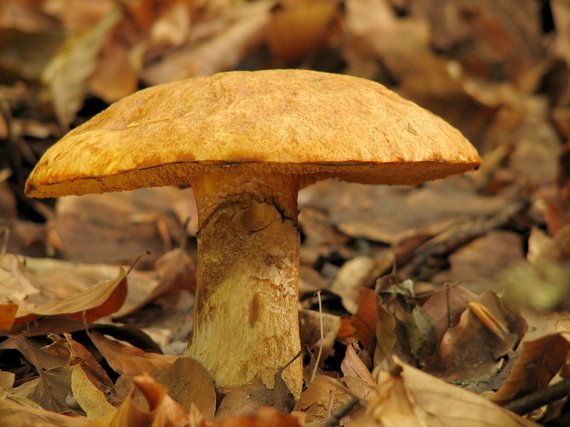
(350, 279)
(357, 377)
(310, 328)
(470, 350)
(95, 302)
(188, 383)
(14, 414)
(53, 389)
(323, 396)
(411, 398)
(539, 361)
(478, 263)
(264, 417)
(365, 319)
(129, 360)
(77, 354)
(163, 410)
(89, 397)
(7, 316)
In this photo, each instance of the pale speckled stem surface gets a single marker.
(246, 313)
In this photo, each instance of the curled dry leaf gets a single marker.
(539, 361)
(163, 410)
(93, 303)
(409, 397)
(128, 360)
(470, 349)
(357, 377)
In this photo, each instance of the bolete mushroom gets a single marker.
(247, 142)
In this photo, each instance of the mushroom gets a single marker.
(247, 142)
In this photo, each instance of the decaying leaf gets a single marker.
(357, 377)
(7, 316)
(264, 417)
(366, 320)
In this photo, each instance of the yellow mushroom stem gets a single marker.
(246, 314)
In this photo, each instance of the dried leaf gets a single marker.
(189, 384)
(53, 389)
(351, 278)
(14, 414)
(163, 410)
(323, 396)
(410, 397)
(264, 417)
(93, 303)
(420, 333)
(88, 396)
(470, 350)
(128, 360)
(357, 377)
(539, 361)
(7, 316)
(67, 73)
(365, 319)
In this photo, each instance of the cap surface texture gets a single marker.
(309, 123)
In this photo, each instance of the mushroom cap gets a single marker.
(313, 124)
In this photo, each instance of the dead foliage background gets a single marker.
(442, 304)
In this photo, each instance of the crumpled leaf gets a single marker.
(128, 360)
(408, 397)
(539, 361)
(163, 410)
(53, 389)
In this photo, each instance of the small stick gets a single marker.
(540, 398)
(322, 336)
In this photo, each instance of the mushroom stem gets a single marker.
(246, 314)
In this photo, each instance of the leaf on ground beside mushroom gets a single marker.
(538, 362)
(375, 212)
(310, 329)
(472, 349)
(323, 396)
(477, 264)
(356, 376)
(406, 396)
(353, 276)
(162, 409)
(188, 383)
(129, 360)
(89, 397)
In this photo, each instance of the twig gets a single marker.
(335, 417)
(322, 336)
(540, 398)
